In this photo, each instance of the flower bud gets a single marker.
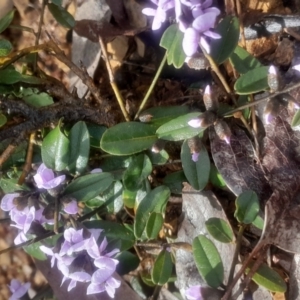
(145, 117)
(223, 131)
(198, 62)
(204, 120)
(195, 146)
(158, 146)
(272, 109)
(209, 100)
(274, 80)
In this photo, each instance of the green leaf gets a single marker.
(197, 173)
(269, 279)
(222, 48)
(178, 129)
(154, 225)
(57, 2)
(79, 148)
(253, 81)
(5, 47)
(160, 115)
(128, 138)
(113, 197)
(89, 186)
(95, 132)
(243, 61)
(162, 268)
(155, 201)
(138, 170)
(9, 76)
(38, 100)
(55, 150)
(219, 229)
(3, 120)
(127, 262)
(258, 222)
(35, 251)
(6, 20)
(296, 119)
(61, 15)
(175, 181)
(10, 185)
(215, 177)
(159, 158)
(247, 207)
(115, 231)
(208, 261)
(172, 42)
(243, 99)
(129, 198)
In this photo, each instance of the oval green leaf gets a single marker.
(6, 20)
(155, 201)
(222, 48)
(208, 261)
(35, 251)
(243, 61)
(269, 279)
(247, 207)
(3, 120)
(5, 47)
(296, 119)
(172, 42)
(253, 81)
(258, 222)
(55, 150)
(9, 76)
(61, 15)
(89, 186)
(154, 225)
(219, 229)
(162, 269)
(138, 170)
(215, 177)
(160, 115)
(178, 129)
(197, 173)
(128, 138)
(79, 148)
(38, 100)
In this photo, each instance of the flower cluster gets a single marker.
(82, 260)
(196, 18)
(18, 289)
(194, 293)
(24, 212)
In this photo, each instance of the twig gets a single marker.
(28, 161)
(112, 81)
(286, 90)
(242, 32)
(142, 105)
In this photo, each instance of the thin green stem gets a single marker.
(151, 86)
(236, 253)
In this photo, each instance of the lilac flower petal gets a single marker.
(71, 208)
(45, 178)
(227, 139)
(194, 293)
(72, 285)
(196, 12)
(80, 276)
(110, 291)
(95, 232)
(159, 18)
(207, 90)
(54, 183)
(207, 3)
(190, 41)
(29, 219)
(113, 282)
(195, 156)
(107, 267)
(20, 238)
(46, 173)
(112, 253)
(149, 11)
(103, 245)
(18, 289)
(195, 123)
(166, 4)
(93, 249)
(212, 34)
(95, 288)
(204, 22)
(205, 44)
(7, 202)
(214, 10)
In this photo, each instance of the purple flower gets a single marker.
(97, 170)
(102, 279)
(159, 14)
(200, 28)
(18, 289)
(296, 67)
(7, 202)
(45, 178)
(71, 207)
(194, 293)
